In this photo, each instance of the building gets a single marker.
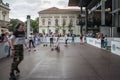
(59, 21)
(4, 16)
(116, 18)
(113, 6)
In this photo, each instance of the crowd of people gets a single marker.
(38, 38)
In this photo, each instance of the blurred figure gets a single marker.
(81, 38)
(105, 41)
(73, 38)
(57, 44)
(66, 39)
(44, 39)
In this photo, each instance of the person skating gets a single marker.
(66, 39)
(31, 41)
(17, 46)
(57, 44)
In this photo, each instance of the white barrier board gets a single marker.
(115, 47)
(94, 42)
(62, 39)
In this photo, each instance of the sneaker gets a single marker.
(12, 75)
(17, 74)
(17, 70)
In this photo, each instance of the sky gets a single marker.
(21, 8)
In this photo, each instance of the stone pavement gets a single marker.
(75, 62)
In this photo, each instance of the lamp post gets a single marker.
(28, 26)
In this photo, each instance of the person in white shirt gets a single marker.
(57, 44)
(31, 40)
(66, 39)
(45, 39)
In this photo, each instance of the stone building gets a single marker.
(59, 21)
(4, 16)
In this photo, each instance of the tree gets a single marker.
(34, 25)
(13, 23)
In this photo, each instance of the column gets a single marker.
(0, 14)
(28, 26)
(103, 12)
(86, 19)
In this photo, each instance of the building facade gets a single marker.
(116, 18)
(4, 16)
(59, 21)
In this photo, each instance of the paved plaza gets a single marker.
(75, 62)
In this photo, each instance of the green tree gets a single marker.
(34, 25)
(13, 23)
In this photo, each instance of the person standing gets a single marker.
(81, 38)
(31, 41)
(73, 38)
(57, 44)
(51, 39)
(66, 39)
(45, 39)
(105, 41)
(17, 43)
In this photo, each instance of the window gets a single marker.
(49, 21)
(64, 22)
(49, 30)
(64, 16)
(56, 22)
(64, 31)
(56, 31)
(43, 30)
(43, 21)
(4, 17)
(71, 21)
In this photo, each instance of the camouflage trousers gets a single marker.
(17, 58)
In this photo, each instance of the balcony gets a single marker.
(4, 24)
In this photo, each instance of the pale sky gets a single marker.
(21, 8)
